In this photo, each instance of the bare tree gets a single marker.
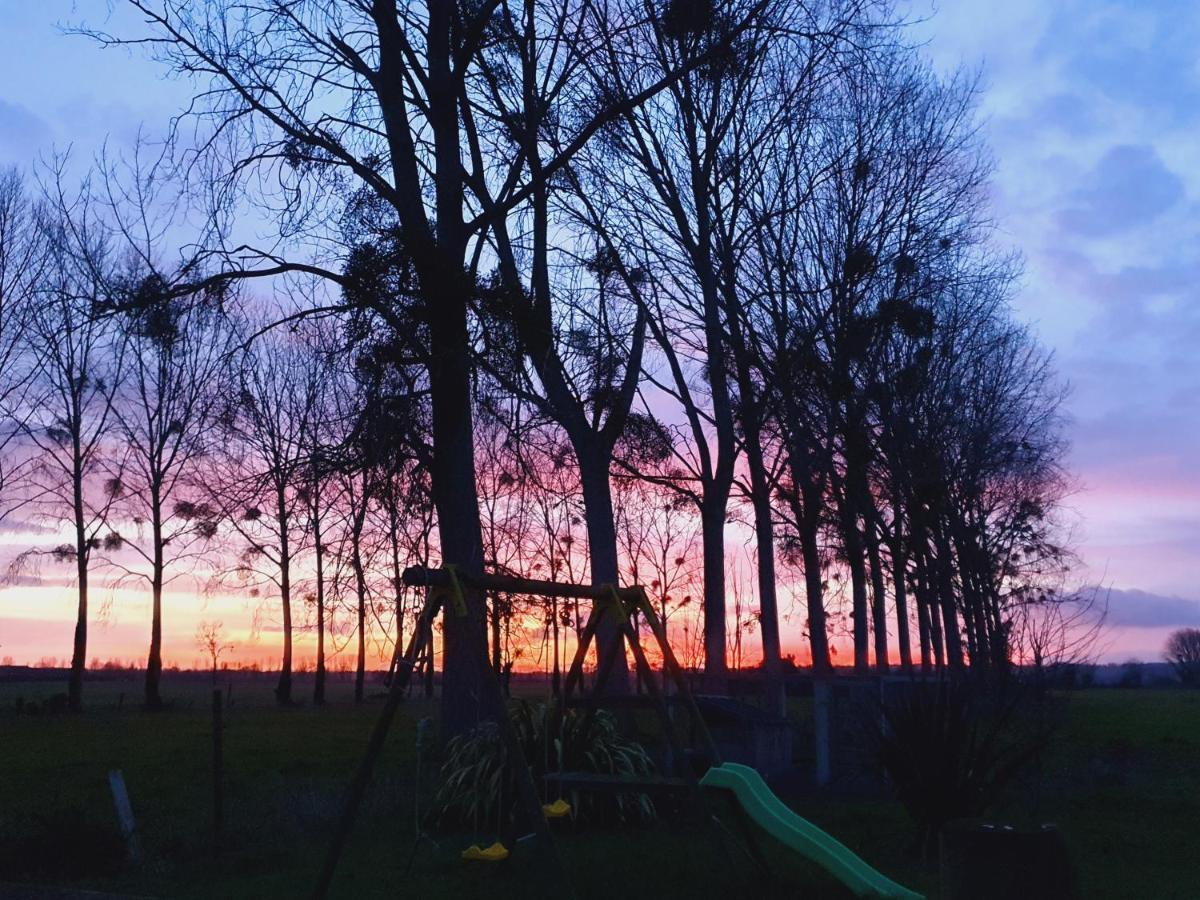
(177, 374)
(1183, 653)
(210, 638)
(79, 371)
(268, 426)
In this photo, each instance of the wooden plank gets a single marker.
(619, 784)
(418, 576)
(624, 701)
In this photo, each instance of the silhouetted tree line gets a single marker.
(572, 288)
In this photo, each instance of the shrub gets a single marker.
(479, 783)
(950, 749)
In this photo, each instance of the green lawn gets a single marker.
(1120, 780)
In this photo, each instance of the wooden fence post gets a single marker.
(822, 729)
(116, 782)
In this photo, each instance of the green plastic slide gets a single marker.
(770, 814)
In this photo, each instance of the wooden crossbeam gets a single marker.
(424, 576)
(634, 784)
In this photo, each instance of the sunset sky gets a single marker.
(1092, 111)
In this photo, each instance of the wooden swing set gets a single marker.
(621, 606)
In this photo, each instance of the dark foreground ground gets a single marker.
(1122, 780)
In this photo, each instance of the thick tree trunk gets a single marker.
(949, 613)
(974, 657)
(712, 521)
(455, 497)
(858, 593)
(899, 572)
(447, 290)
(933, 608)
(923, 632)
(852, 544)
(931, 632)
(768, 603)
(602, 549)
(969, 596)
(719, 480)
(818, 635)
(806, 509)
(878, 599)
(495, 611)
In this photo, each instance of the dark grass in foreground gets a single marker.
(1121, 780)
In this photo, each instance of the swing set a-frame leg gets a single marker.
(720, 834)
(494, 698)
(379, 732)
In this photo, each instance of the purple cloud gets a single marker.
(22, 133)
(1129, 187)
(1133, 608)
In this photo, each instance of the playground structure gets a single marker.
(774, 817)
(758, 805)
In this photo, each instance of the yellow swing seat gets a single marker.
(559, 809)
(494, 853)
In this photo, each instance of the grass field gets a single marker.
(1121, 781)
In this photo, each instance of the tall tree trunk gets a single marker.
(856, 481)
(806, 508)
(496, 655)
(154, 660)
(556, 669)
(949, 614)
(79, 650)
(818, 635)
(712, 522)
(928, 606)
(768, 603)
(455, 497)
(360, 590)
(878, 599)
(972, 624)
(283, 689)
(718, 479)
(923, 631)
(397, 581)
(899, 572)
(858, 592)
(598, 515)
(852, 544)
(319, 680)
(974, 657)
